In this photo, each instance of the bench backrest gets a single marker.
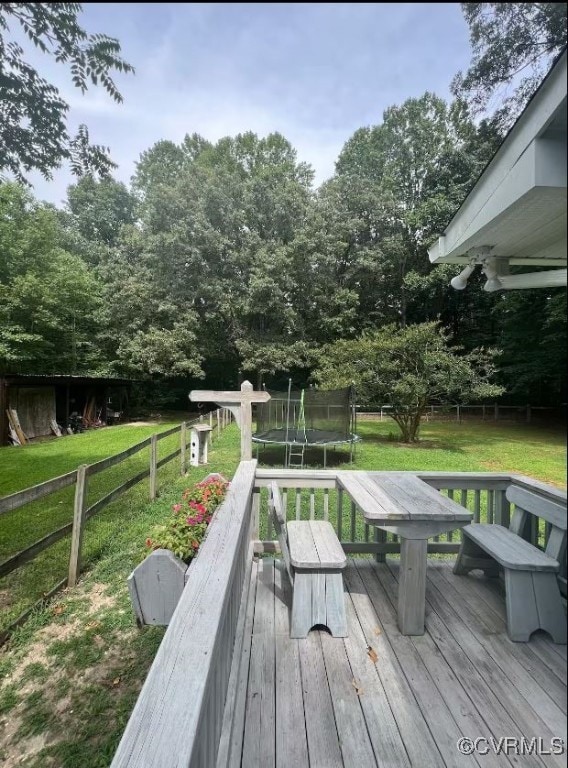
(276, 509)
(553, 513)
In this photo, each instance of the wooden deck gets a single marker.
(325, 703)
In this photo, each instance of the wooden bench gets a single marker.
(314, 560)
(531, 586)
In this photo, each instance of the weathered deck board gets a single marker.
(291, 741)
(492, 593)
(323, 702)
(530, 703)
(535, 680)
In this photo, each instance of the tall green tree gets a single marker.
(217, 233)
(94, 216)
(402, 180)
(33, 114)
(513, 45)
(49, 299)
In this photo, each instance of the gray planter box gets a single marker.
(156, 584)
(155, 587)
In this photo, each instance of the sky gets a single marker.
(314, 72)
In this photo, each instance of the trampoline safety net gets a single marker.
(309, 416)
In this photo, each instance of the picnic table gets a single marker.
(405, 505)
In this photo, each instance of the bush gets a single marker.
(183, 533)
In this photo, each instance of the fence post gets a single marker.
(78, 525)
(218, 418)
(153, 467)
(458, 414)
(183, 433)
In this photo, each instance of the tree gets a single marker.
(403, 180)
(407, 368)
(513, 46)
(48, 298)
(94, 216)
(33, 115)
(218, 227)
(531, 331)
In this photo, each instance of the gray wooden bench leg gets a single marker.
(471, 557)
(533, 602)
(318, 598)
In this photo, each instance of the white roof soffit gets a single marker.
(516, 212)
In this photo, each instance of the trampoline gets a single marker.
(298, 419)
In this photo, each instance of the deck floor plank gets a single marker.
(259, 747)
(291, 741)
(386, 740)
(465, 688)
(530, 703)
(435, 712)
(491, 592)
(533, 678)
(415, 734)
(354, 740)
(323, 702)
(321, 729)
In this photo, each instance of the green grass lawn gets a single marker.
(451, 447)
(70, 676)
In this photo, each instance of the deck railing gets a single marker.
(178, 717)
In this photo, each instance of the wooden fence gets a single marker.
(494, 412)
(79, 477)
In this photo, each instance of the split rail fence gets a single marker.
(79, 477)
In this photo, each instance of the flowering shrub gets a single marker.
(184, 531)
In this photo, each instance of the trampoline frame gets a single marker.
(306, 443)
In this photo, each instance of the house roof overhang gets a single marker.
(515, 215)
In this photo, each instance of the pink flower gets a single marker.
(176, 508)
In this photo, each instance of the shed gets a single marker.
(39, 399)
(515, 215)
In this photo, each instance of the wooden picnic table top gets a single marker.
(399, 497)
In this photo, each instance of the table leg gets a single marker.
(412, 586)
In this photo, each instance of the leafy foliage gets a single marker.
(408, 368)
(184, 531)
(48, 297)
(513, 45)
(33, 130)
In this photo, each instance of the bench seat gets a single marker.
(314, 545)
(314, 559)
(531, 585)
(509, 550)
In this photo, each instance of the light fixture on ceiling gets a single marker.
(459, 282)
(490, 271)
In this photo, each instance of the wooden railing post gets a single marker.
(218, 417)
(255, 513)
(183, 447)
(153, 467)
(78, 525)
